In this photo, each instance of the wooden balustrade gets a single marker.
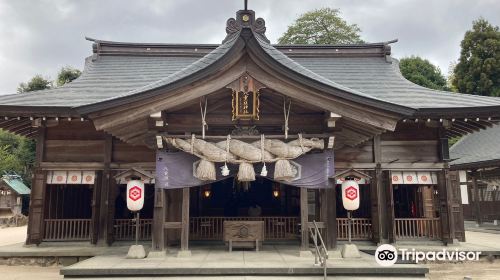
(361, 229)
(412, 228)
(67, 229)
(124, 229)
(275, 228)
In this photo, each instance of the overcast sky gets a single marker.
(39, 37)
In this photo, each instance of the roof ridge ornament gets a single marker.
(245, 19)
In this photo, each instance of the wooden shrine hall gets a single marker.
(244, 131)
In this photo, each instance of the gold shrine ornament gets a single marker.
(245, 98)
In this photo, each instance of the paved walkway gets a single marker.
(484, 227)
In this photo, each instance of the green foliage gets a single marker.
(453, 140)
(67, 74)
(451, 77)
(321, 26)
(478, 68)
(36, 83)
(17, 154)
(422, 72)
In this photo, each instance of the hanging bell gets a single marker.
(224, 170)
(263, 172)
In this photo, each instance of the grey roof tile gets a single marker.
(115, 76)
(477, 147)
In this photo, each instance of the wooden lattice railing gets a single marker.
(412, 228)
(67, 229)
(124, 229)
(275, 228)
(361, 228)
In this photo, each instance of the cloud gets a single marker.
(39, 37)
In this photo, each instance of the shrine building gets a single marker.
(244, 130)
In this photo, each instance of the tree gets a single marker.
(17, 154)
(321, 26)
(67, 74)
(478, 68)
(36, 83)
(422, 72)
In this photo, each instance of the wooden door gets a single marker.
(427, 201)
(456, 206)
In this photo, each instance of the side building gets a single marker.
(477, 156)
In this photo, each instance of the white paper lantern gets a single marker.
(135, 195)
(350, 195)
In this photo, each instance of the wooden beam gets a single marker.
(250, 137)
(71, 165)
(463, 128)
(467, 126)
(454, 133)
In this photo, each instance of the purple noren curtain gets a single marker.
(175, 170)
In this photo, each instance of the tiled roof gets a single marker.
(478, 147)
(109, 77)
(16, 184)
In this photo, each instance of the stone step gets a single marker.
(258, 278)
(145, 272)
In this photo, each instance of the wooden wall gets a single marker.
(410, 143)
(76, 141)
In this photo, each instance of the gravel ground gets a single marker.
(29, 273)
(482, 270)
(12, 235)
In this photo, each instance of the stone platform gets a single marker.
(273, 260)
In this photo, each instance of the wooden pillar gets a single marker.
(477, 199)
(389, 195)
(377, 195)
(328, 214)
(95, 205)
(304, 220)
(158, 234)
(185, 220)
(376, 213)
(38, 189)
(444, 205)
(103, 194)
(111, 207)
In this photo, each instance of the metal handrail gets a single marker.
(320, 252)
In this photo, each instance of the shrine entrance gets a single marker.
(276, 204)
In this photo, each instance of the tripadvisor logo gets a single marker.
(387, 255)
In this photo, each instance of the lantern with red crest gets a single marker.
(350, 194)
(135, 195)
